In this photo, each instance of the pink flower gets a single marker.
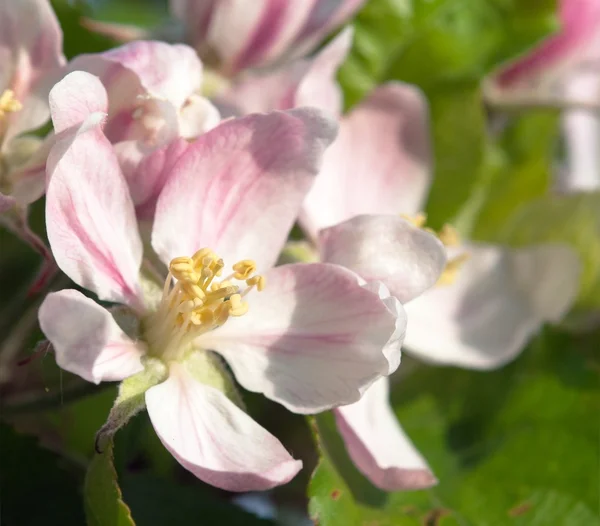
(308, 336)
(150, 93)
(478, 314)
(242, 35)
(31, 57)
(304, 81)
(563, 71)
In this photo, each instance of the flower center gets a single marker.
(9, 103)
(194, 301)
(449, 238)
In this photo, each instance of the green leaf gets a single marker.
(574, 220)
(432, 42)
(36, 485)
(501, 442)
(509, 447)
(339, 494)
(155, 502)
(104, 505)
(459, 141)
(521, 165)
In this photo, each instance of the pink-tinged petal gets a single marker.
(304, 82)
(153, 126)
(386, 248)
(379, 164)
(31, 58)
(581, 129)
(147, 84)
(86, 338)
(377, 444)
(500, 299)
(392, 348)
(90, 218)
(75, 98)
(170, 72)
(151, 176)
(213, 438)
(246, 34)
(6, 202)
(313, 339)
(544, 70)
(239, 187)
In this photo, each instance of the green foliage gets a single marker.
(156, 502)
(514, 446)
(36, 486)
(103, 499)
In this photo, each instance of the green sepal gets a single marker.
(130, 399)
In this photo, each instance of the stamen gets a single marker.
(450, 273)
(417, 220)
(9, 103)
(449, 238)
(194, 302)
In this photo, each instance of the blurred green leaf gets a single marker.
(35, 484)
(518, 165)
(571, 219)
(155, 502)
(432, 42)
(510, 447)
(459, 141)
(104, 505)
(339, 494)
(77, 39)
(501, 440)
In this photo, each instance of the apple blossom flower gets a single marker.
(150, 93)
(563, 71)
(479, 314)
(31, 56)
(309, 336)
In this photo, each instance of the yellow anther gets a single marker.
(202, 253)
(449, 236)
(238, 307)
(417, 220)
(183, 269)
(9, 103)
(244, 269)
(450, 273)
(217, 267)
(257, 281)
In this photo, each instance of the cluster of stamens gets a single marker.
(449, 238)
(9, 103)
(194, 301)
